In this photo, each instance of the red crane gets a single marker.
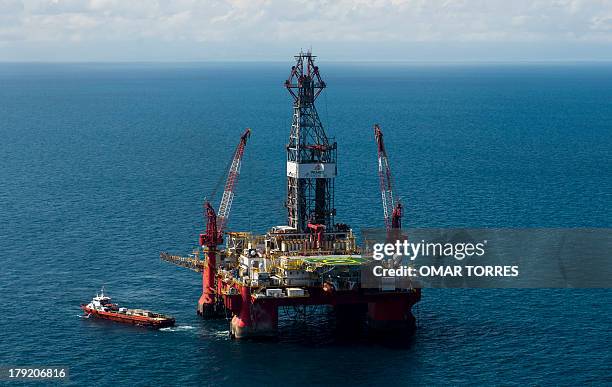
(215, 225)
(216, 222)
(392, 209)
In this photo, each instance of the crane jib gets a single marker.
(233, 173)
(392, 211)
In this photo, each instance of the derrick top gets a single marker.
(304, 82)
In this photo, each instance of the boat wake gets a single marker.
(222, 334)
(177, 328)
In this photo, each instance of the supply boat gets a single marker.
(102, 307)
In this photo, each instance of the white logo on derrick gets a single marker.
(311, 170)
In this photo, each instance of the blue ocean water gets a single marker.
(105, 165)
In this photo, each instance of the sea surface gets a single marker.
(105, 165)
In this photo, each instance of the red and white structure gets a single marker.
(392, 208)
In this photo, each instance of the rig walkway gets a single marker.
(190, 263)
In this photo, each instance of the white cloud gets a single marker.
(322, 21)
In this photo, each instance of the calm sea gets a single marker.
(105, 165)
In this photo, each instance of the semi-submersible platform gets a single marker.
(312, 260)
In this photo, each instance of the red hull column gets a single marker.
(207, 304)
(393, 314)
(256, 319)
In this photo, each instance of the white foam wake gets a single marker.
(177, 328)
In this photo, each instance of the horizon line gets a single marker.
(345, 61)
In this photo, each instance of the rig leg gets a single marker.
(208, 306)
(390, 317)
(256, 319)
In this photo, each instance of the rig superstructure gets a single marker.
(310, 261)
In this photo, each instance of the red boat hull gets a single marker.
(130, 319)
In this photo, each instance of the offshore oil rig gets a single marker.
(312, 260)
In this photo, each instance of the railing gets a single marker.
(190, 263)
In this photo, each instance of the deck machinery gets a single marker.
(310, 261)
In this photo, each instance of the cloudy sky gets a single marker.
(415, 30)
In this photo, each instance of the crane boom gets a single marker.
(392, 209)
(216, 221)
(230, 183)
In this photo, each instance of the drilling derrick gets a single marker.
(311, 155)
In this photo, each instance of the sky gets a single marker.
(274, 30)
